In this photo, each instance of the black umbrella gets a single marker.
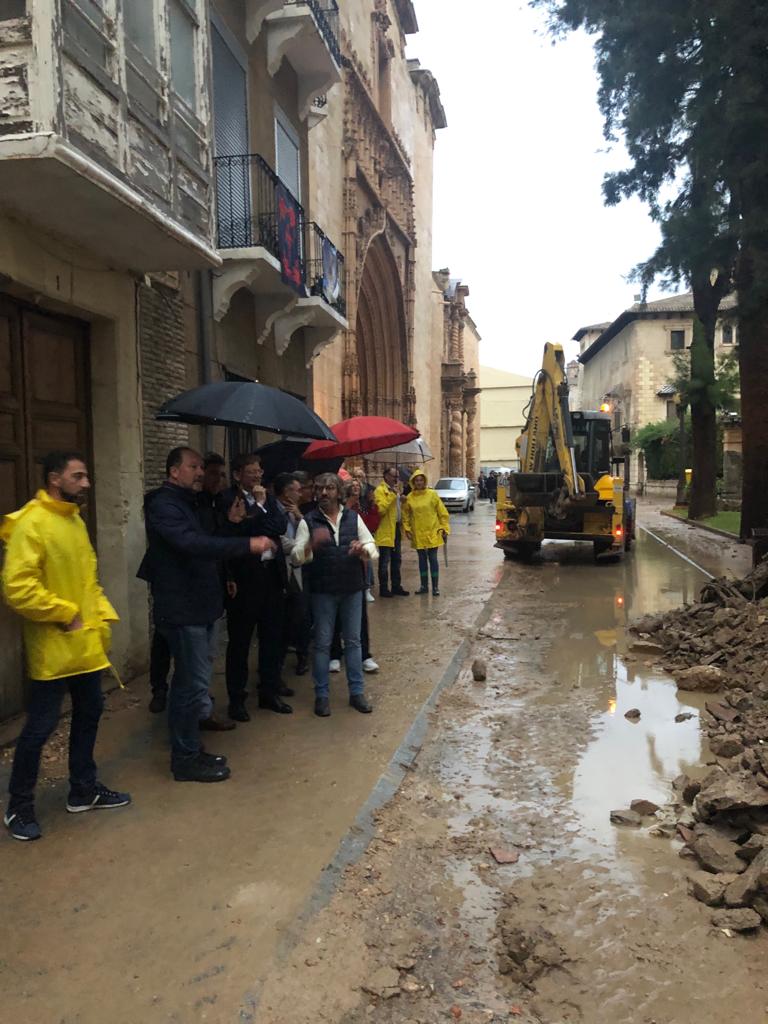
(285, 457)
(246, 404)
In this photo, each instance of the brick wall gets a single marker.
(163, 373)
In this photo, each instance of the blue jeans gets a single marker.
(349, 608)
(44, 708)
(191, 650)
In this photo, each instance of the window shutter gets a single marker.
(287, 149)
(230, 113)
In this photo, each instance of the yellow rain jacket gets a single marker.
(386, 503)
(424, 516)
(49, 577)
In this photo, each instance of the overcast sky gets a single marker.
(518, 204)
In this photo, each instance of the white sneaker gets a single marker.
(369, 665)
(369, 596)
(334, 665)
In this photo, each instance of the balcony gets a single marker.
(306, 34)
(77, 153)
(247, 191)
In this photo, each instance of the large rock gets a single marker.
(716, 854)
(709, 888)
(744, 920)
(626, 817)
(727, 791)
(726, 746)
(643, 807)
(708, 678)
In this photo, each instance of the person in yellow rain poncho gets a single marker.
(50, 578)
(426, 525)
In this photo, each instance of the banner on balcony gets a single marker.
(331, 272)
(289, 239)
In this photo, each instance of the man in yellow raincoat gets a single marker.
(426, 524)
(387, 498)
(50, 579)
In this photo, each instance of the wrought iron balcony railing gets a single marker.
(326, 13)
(247, 217)
(325, 267)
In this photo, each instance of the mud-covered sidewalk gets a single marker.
(585, 921)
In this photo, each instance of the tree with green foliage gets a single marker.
(685, 83)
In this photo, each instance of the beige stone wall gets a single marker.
(54, 277)
(501, 414)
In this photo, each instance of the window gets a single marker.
(139, 21)
(677, 340)
(671, 409)
(727, 334)
(86, 25)
(287, 154)
(183, 46)
(10, 9)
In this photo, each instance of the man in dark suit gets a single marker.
(260, 598)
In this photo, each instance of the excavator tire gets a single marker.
(600, 547)
(528, 549)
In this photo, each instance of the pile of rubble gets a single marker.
(719, 645)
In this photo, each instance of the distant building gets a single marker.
(503, 398)
(629, 362)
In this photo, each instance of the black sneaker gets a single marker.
(100, 798)
(158, 703)
(195, 769)
(22, 825)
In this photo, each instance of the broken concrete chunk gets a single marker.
(727, 791)
(502, 856)
(633, 714)
(686, 787)
(626, 817)
(479, 670)
(643, 807)
(743, 920)
(646, 647)
(708, 888)
(722, 712)
(715, 854)
(726, 746)
(708, 678)
(384, 983)
(684, 716)
(749, 850)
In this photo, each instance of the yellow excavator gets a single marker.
(570, 485)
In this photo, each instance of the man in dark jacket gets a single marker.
(182, 568)
(260, 600)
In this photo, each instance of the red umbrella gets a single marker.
(360, 435)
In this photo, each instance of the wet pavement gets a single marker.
(184, 907)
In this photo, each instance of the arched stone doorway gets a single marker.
(381, 336)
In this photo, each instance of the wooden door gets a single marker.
(44, 405)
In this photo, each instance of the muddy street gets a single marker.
(345, 872)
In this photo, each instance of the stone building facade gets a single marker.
(144, 149)
(503, 401)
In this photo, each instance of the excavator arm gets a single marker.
(549, 415)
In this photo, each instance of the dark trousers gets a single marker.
(428, 558)
(159, 663)
(297, 623)
(43, 712)
(262, 613)
(389, 564)
(190, 647)
(337, 650)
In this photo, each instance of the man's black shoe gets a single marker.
(286, 691)
(195, 769)
(385, 593)
(158, 703)
(275, 704)
(359, 703)
(302, 666)
(238, 713)
(217, 759)
(399, 592)
(322, 707)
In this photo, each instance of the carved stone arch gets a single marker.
(382, 336)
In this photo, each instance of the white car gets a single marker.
(457, 493)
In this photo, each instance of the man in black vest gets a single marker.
(332, 544)
(259, 603)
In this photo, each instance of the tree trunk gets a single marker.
(753, 366)
(682, 455)
(703, 498)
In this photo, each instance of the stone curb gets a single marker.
(700, 526)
